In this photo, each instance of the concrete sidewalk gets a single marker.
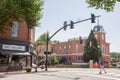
(24, 71)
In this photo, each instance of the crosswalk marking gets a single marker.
(95, 73)
(117, 75)
(100, 76)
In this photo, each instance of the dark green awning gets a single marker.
(15, 53)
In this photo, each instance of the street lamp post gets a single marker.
(64, 27)
(47, 40)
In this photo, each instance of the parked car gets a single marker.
(118, 65)
(34, 65)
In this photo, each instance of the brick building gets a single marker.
(16, 45)
(73, 50)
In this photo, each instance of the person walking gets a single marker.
(102, 64)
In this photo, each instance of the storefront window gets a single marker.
(15, 29)
(3, 60)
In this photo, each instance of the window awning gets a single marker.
(15, 53)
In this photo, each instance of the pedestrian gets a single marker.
(102, 64)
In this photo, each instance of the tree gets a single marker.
(115, 55)
(55, 41)
(42, 39)
(107, 5)
(29, 11)
(91, 50)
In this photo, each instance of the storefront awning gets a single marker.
(15, 53)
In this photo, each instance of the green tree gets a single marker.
(107, 5)
(42, 39)
(55, 41)
(115, 55)
(29, 11)
(91, 50)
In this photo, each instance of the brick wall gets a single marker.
(24, 33)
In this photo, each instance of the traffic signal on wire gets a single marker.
(92, 18)
(81, 41)
(65, 25)
(71, 24)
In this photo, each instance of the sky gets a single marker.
(55, 12)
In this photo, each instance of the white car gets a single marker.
(34, 65)
(118, 65)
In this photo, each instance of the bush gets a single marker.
(63, 60)
(41, 62)
(55, 62)
(113, 64)
(28, 69)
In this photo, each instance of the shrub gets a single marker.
(113, 64)
(55, 62)
(28, 69)
(41, 62)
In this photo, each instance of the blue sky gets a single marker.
(57, 11)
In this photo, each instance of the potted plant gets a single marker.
(28, 69)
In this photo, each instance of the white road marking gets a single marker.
(117, 75)
(100, 76)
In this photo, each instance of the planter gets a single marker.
(29, 69)
(42, 67)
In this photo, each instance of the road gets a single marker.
(64, 74)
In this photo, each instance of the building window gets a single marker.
(103, 49)
(103, 37)
(64, 49)
(15, 29)
(55, 50)
(76, 48)
(78, 58)
(106, 50)
(69, 49)
(96, 36)
(60, 49)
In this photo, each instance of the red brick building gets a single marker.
(16, 45)
(73, 50)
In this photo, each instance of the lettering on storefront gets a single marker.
(13, 47)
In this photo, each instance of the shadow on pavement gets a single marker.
(75, 78)
(2, 76)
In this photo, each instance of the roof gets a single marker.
(98, 28)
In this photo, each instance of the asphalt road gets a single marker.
(64, 74)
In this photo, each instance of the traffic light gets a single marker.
(81, 41)
(71, 24)
(92, 18)
(65, 25)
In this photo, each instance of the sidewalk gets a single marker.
(24, 71)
